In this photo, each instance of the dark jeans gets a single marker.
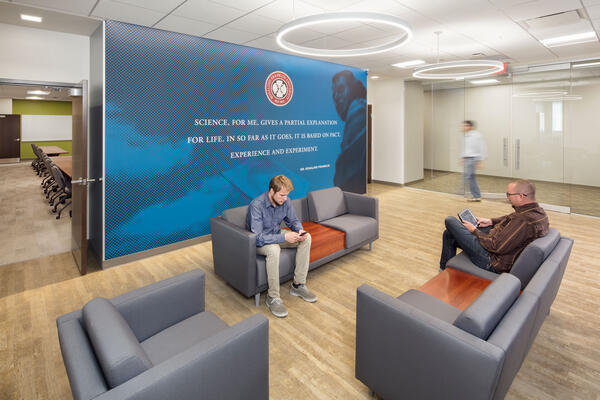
(457, 236)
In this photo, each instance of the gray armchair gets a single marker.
(158, 342)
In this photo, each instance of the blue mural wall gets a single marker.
(195, 126)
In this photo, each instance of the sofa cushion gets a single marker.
(326, 203)
(533, 256)
(431, 305)
(358, 228)
(236, 216)
(119, 354)
(482, 316)
(181, 336)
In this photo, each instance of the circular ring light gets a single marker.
(483, 68)
(343, 17)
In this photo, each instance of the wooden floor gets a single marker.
(28, 230)
(581, 199)
(312, 350)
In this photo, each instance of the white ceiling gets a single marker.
(507, 30)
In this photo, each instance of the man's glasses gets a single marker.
(508, 194)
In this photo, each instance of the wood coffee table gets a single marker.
(457, 288)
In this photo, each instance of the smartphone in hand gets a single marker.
(303, 233)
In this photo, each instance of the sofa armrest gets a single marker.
(84, 372)
(150, 309)
(234, 255)
(403, 352)
(233, 364)
(362, 205)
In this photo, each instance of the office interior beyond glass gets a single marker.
(540, 124)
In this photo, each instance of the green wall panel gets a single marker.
(42, 107)
(27, 152)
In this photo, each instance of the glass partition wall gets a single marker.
(543, 125)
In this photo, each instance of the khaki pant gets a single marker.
(272, 252)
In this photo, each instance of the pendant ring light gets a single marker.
(343, 17)
(462, 69)
(482, 68)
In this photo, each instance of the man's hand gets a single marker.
(484, 222)
(479, 164)
(293, 237)
(302, 238)
(470, 227)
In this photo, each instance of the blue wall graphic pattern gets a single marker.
(161, 185)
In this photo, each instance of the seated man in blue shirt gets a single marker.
(264, 217)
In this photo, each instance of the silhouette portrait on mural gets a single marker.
(349, 95)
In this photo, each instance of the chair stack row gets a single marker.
(56, 187)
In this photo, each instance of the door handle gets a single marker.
(81, 181)
(505, 151)
(17, 140)
(517, 153)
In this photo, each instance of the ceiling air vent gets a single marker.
(554, 20)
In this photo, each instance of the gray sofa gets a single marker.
(234, 248)
(416, 346)
(158, 342)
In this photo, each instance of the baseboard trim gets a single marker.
(114, 262)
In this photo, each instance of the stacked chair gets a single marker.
(54, 184)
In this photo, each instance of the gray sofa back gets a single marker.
(546, 282)
(237, 216)
(533, 256)
(326, 204)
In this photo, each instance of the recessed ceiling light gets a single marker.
(570, 39)
(408, 64)
(31, 18)
(40, 92)
(34, 98)
(585, 64)
(484, 81)
(375, 77)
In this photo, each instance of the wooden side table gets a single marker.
(455, 287)
(325, 240)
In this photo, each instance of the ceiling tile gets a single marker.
(287, 10)
(590, 2)
(303, 35)
(255, 24)
(188, 26)
(594, 12)
(51, 20)
(538, 8)
(363, 33)
(117, 11)
(205, 10)
(231, 35)
(265, 42)
(246, 5)
(327, 42)
(381, 6)
(81, 7)
(332, 5)
(164, 6)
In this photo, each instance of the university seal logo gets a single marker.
(279, 88)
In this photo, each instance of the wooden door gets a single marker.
(79, 182)
(10, 138)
